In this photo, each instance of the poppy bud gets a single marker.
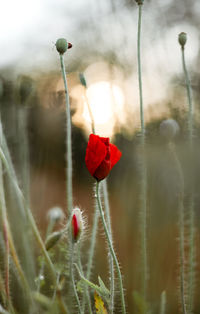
(77, 224)
(182, 38)
(55, 214)
(169, 128)
(62, 45)
(53, 239)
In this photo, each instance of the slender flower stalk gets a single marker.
(181, 227)
(143, 178)
(91, 255)
(62, 45)
(111, 248)
(111, 263)
(73, 281)
(69, 142)
(191, 274)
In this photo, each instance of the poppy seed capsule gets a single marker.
(53, 239)
(61, 45)
(169, 128)
(77, 224)
(182, 38)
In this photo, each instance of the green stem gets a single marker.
(91, 252)
(143, 191)
(21, 219)
(86, 292)
(73, 281)
(189, 96)
(41, 272)
(181, 228)
(191, 197)
(69, 145)
(163, 303)
(111, 248)
(29, 215)
(112, 270)
(140, 69)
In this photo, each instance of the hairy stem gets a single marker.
(112, 270)
(111, 249)
(69, 142)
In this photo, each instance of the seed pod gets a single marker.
(53, 239)
(182, 38)
(62, 45)
(169, 128)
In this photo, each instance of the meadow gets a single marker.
(99, 198)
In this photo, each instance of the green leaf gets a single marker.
(101, 289)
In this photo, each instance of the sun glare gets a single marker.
(104, 99)
(106, 104)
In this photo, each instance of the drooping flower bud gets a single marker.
(53, 239)
(62, 45)
(77, 224)
(55, 214)
(169, 128)
(182, 38)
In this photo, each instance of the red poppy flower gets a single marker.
(101, 156)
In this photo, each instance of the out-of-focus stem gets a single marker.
(181, 227)
(143, 178)
(29, 215)
(191, 272)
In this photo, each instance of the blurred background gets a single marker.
(103, 34)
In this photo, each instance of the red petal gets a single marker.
(115, 155)
(75, 226)
(95, 153)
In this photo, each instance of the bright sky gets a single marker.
(29, 30)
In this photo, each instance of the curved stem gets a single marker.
(111, 248)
